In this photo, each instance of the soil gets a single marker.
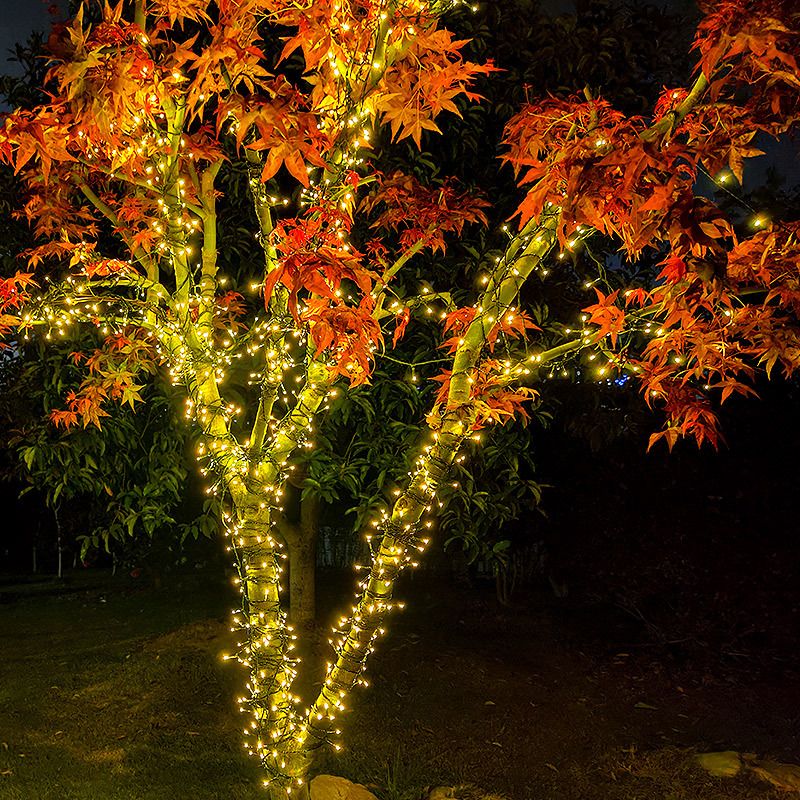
(551, 700)
(117, 691)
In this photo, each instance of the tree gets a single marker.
(150, 114)
(127, 481)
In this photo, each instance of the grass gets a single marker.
(101, 700)
(113, 691)
(110, 691)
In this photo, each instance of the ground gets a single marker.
(112, 690)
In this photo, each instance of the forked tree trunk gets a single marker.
(285, 738)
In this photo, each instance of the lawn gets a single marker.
(111, 690)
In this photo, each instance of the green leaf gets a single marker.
(28, 454)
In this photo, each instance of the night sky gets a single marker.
(18, 19)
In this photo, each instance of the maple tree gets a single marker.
(150, 115)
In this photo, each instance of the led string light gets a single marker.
(274, 730)
(389, 559)
(396, 541)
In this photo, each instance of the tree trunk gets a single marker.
(401, 529)
(265, 644)
(302, 544)
(59, 544)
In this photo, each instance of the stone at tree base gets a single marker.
(332, 787)
(728, 763)
(725, 764)
(782, 776)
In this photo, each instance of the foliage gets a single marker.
(132, 474)
(614, 174)
(126, 483)
(494, 491)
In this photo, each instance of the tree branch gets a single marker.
(668, 123)
(138, 253)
